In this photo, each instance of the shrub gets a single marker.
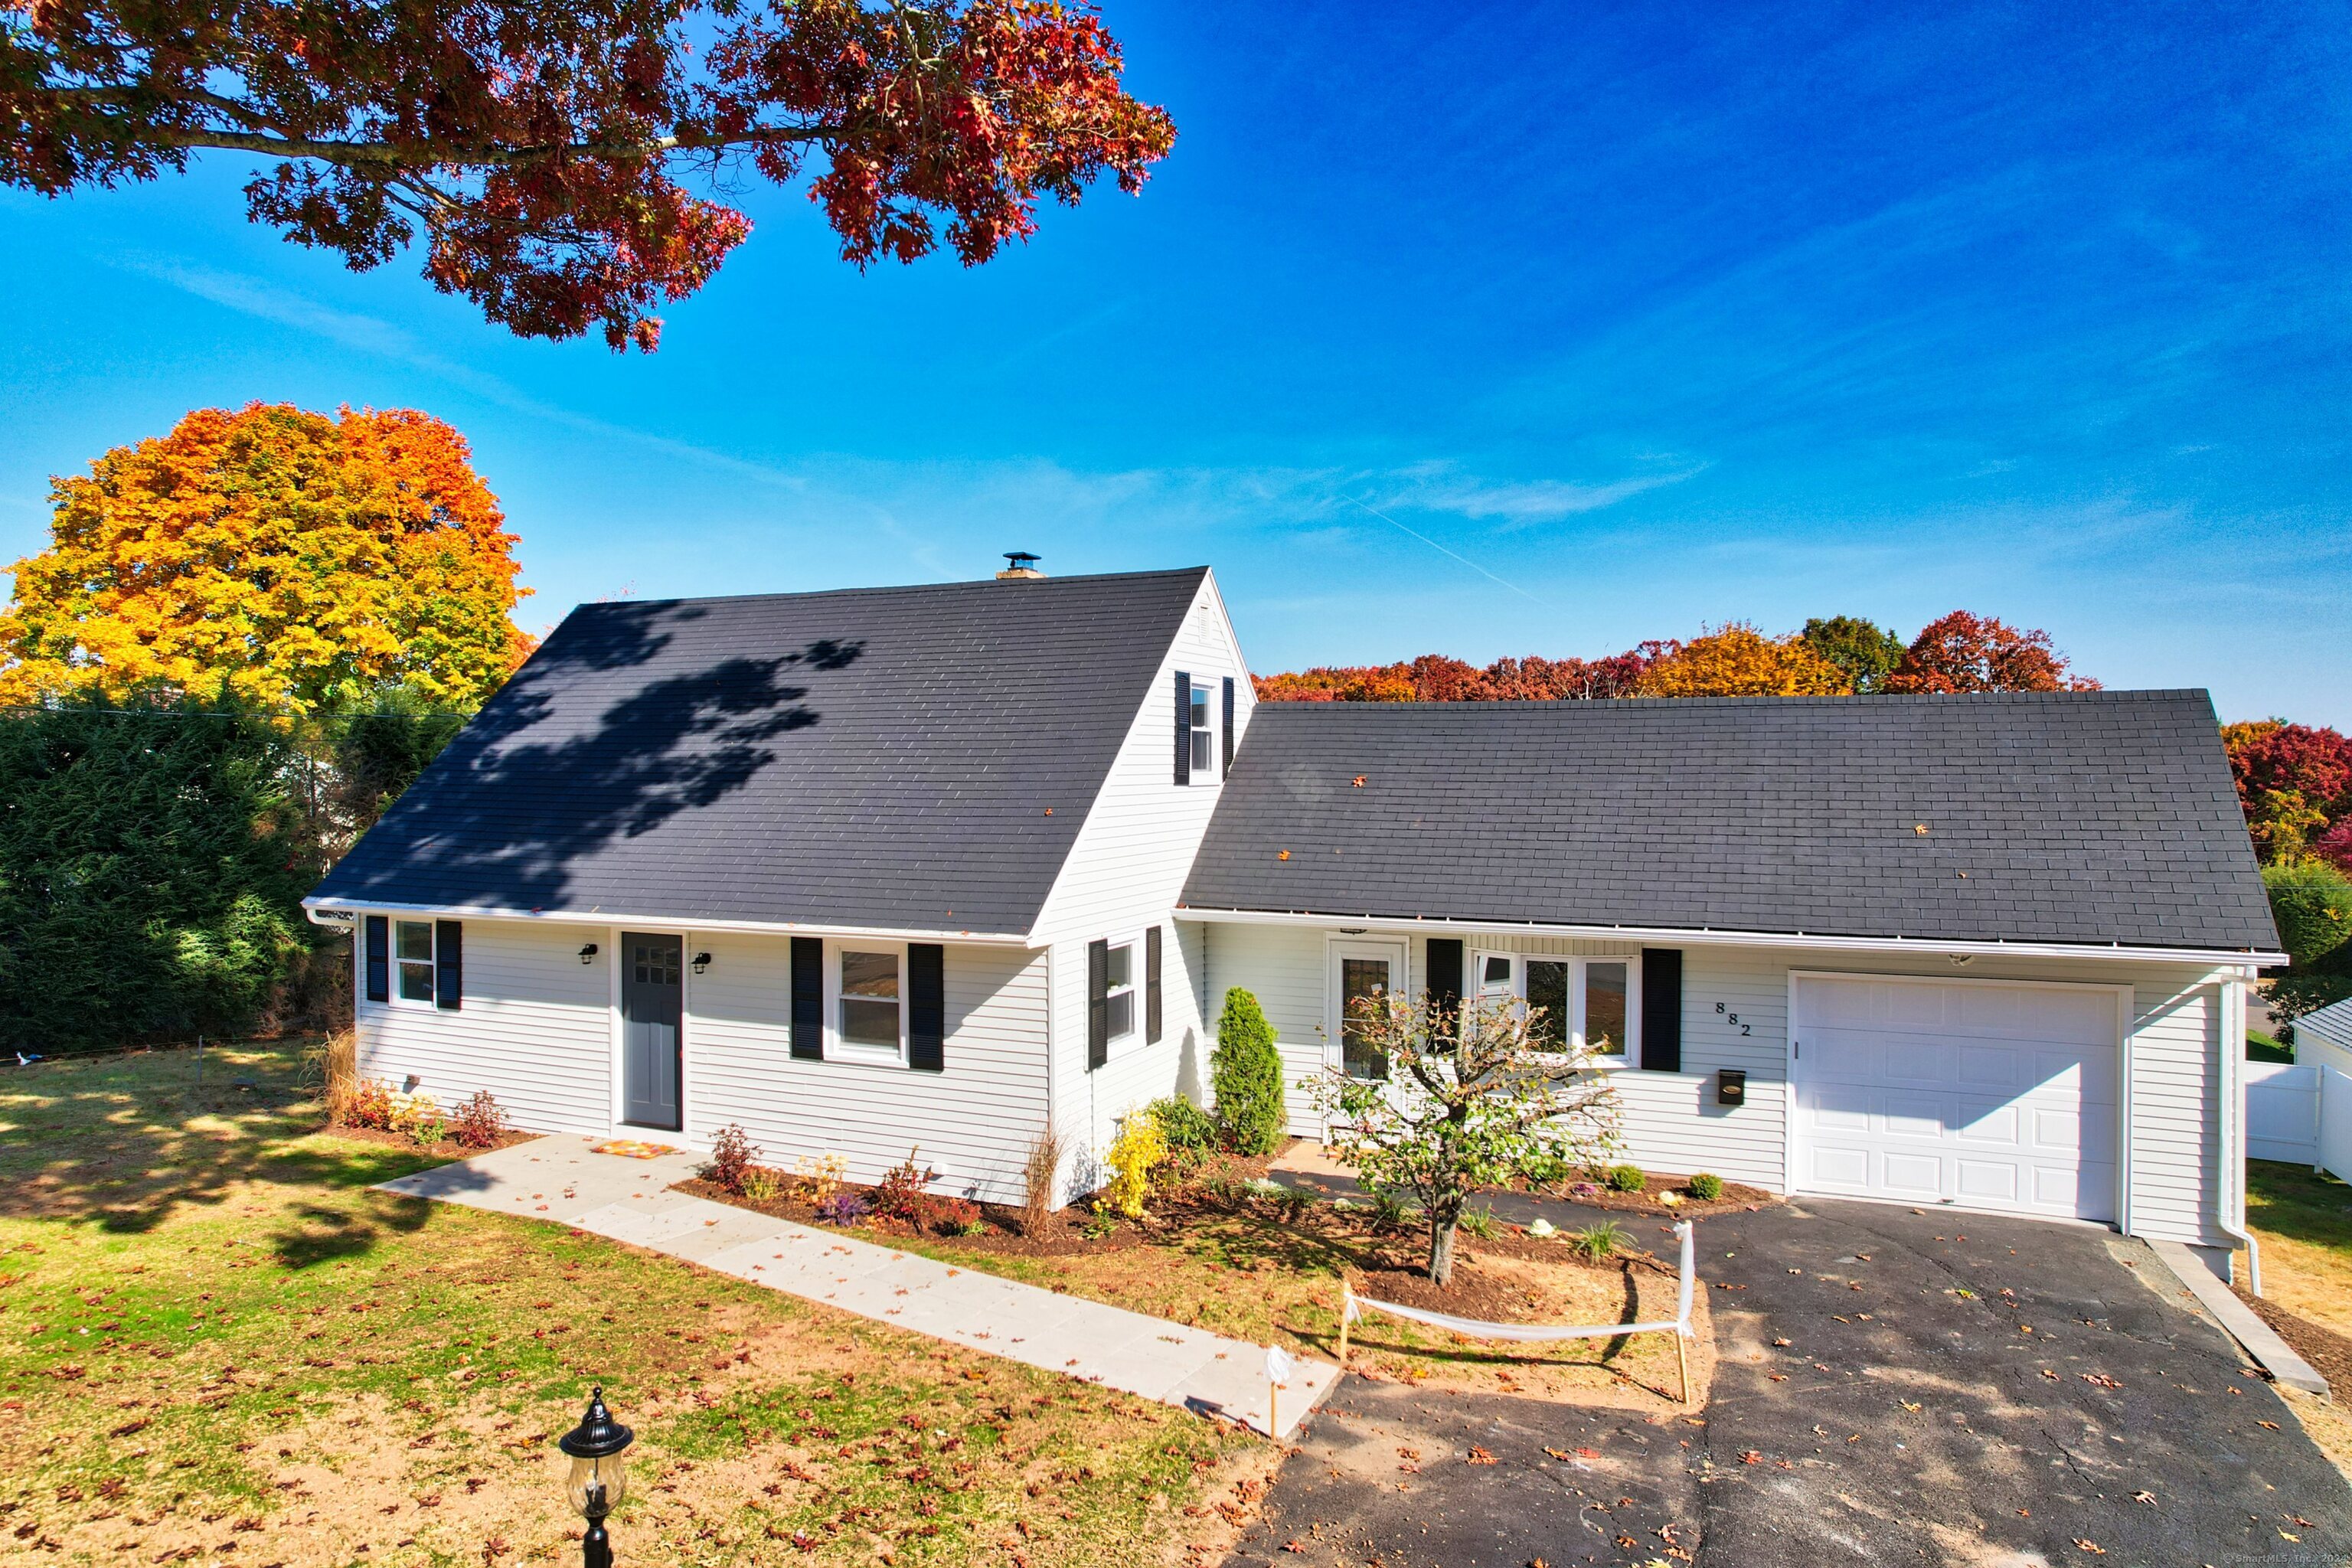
(2312, 904)
(731, 1154)
(1246, 1071)
(956, 1216)
(1626, 1178)
(372, 1104)
(479, 1123)
(904, 1192)
(1596, 1243)
(1185, 1125)
(843, 1209)
(1039, 1173)
(1138, 1148)
(419, 1116)
(1706, 1187)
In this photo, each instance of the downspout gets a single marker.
(2229, 1198)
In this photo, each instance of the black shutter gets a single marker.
(1445, 976)
(926, 1006)
(1662, 1009)
(1097, 1004)
(449, 964)
(1183, 727)
(1151, 987)
(379, 959)
(1229, 725)
(808, 998)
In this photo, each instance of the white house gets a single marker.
(930, 865)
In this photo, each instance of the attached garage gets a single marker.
(1975, 1094)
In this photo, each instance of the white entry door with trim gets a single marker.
(1977, 1094)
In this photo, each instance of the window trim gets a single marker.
(1134, 1037)
(1623, 1059)
(430, 1002)
(837, 1046)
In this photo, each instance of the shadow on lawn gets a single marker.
(2297, 1202)
(126, 1142)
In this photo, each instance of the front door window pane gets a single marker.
(1548, 1005)
(1605, 1008)
(870, 999)
(1363, 986)
(414, 940)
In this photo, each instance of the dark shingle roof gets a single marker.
(2077, 816)
(880, 757)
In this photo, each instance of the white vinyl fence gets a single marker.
(2299, 1113)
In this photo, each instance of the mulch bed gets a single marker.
(1595, 1195)
(2329, 1352)
(444, 1150)
(1065, 1234)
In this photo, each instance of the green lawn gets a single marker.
(2304, 1222)
(215, 1342)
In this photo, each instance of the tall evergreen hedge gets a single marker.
(1246, 1068)
(152, 864)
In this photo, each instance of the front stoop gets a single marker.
(561, 1180)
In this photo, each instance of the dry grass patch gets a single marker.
(218, 1345)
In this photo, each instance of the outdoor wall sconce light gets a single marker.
(599, 1477)
(701, 962)
(1730, 1087)
(587, 951)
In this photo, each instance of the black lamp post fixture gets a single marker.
(599, 1478)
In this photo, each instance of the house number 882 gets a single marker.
(1730, 1018)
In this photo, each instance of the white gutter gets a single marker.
(602, 916)
(2230, 1190)
(1705, 935)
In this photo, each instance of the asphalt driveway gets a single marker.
(1953, 1389)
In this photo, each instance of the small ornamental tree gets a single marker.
(1245, 1069)
(1474, 1096)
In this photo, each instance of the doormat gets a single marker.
(630, 1150)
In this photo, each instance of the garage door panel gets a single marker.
(1992, 1096)
(1985, 1181)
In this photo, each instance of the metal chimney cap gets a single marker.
(1019, 563)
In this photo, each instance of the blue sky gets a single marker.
(1535, 328)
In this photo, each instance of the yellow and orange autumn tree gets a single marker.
(273, 556)
(1738, 660)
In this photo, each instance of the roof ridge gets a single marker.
(1026, 584)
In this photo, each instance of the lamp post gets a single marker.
(599, 1477)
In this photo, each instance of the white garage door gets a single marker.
(1976, 1095)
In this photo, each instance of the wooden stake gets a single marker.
(1682, 1360)
(1273, 1418)
(1347, 1311)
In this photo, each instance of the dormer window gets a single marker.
(1204, 734)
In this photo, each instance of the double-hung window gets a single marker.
(1204, 734)
(412, 943)
(1587, 1002)
(1119, 995)
(869, 1016)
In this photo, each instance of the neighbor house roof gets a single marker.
(2332, 1023)
(2073, 817)
(917, 758)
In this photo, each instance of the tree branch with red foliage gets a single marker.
(536, 143)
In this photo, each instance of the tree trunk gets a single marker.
(1441, 1252)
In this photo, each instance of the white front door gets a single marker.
(1975, 1094)
(1361, 972)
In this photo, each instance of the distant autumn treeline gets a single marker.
(1837, 655)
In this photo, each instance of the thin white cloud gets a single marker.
(1444, 487)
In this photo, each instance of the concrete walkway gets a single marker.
(562, 1180)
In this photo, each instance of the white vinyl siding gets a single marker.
(1125, 872)
(973, 1121)
(1735, 1013)
(535, 1029)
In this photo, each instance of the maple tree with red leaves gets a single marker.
(1964, 652)
(2295, 784)
(538, 145)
